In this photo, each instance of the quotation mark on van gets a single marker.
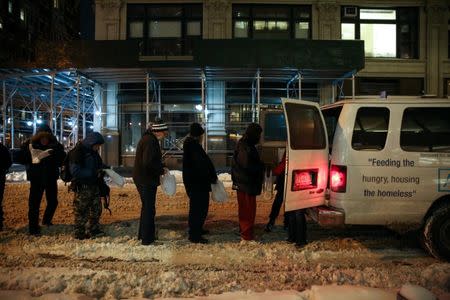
(444, 180)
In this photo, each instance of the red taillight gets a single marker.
(338, 178)
(304, 179)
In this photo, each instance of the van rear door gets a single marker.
(307, 155)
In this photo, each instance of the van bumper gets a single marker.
(327, 216)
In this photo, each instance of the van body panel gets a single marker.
(388, 186)
(309, 162)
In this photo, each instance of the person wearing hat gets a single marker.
(148, 168)
(86, 167)
(42, 155)
(247, 173)
(198, 175)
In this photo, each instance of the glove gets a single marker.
(100, 173)
(106, 204)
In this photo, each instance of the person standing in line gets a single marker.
(247, 174)
(198, 175)
(278, 171)
(5, 163)
(42, 155)
(86, 167)
(148, 168)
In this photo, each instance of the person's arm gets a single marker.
(151, 159)
(6, 158)
(202, 162)
(279, 169)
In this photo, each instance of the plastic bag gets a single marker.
(218, 192)
(115, 178)
(268, 185)
(168, 184)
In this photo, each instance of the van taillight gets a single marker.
(338, 178)
(304, 179)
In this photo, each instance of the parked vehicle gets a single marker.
(372, 161)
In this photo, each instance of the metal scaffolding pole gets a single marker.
(258, 90)
(4, 113)
(332, 93)
(51, 100)
(12, 122)
(147, 100)
(253, 102)
(77, 112)
(159, 100)
(205, 115)
(34, 114)
(61, 126)
(84, 117)
(299, 86)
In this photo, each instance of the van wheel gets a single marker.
(436, 233)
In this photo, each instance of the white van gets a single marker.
(377, 162)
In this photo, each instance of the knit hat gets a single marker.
(158, 126)
(196, 130)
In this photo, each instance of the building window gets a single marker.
(387, 32)
(22, 14)
(10, 6)
(165, 29)
(272, 21)
(55, 3)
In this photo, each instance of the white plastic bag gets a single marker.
(218, 192)
(168, 184)
(268, 185)
(115, 178)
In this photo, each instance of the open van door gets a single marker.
(306, 155)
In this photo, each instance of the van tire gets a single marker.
(436, 232)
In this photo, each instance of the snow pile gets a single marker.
(16, 176)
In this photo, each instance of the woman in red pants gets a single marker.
(247, 174)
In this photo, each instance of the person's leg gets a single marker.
(95, 212)
(290, 218)
(300, 234)
(2, 190)
(34, 202)
(51, 194)
(247, 213)
(204, 209)
(147, 222)
(81, 211)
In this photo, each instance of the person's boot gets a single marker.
(269, 226)
(198, 240)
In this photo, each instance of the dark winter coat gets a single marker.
(48, 168)
(85, 163)
(198, 170)
(247, 171)
(148, 166)
(5, 160)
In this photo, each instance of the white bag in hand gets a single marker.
(218, 192)
(115, 178)
(168, 184)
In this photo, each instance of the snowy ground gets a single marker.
(117, 266)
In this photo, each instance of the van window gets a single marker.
(306, 129)
(371, 127)
(425, 129)
(331, 117)
(275, 127)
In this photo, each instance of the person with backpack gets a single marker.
(148, 168)
(42, 155)
(198, 175)
(86, 169)
(247, 173)
(5, 163)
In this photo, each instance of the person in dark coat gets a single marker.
(247, 173)
(148, 168)
(86, 167)
(198, 175)
(278, 171)
(5, 163)
(42, 155)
